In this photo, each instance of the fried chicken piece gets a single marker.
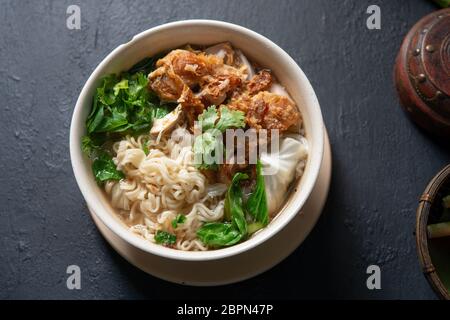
(271, 111)
(262, 81)
(241, 98)
(166, 84)
(189, 66)
(235, 75)
(179, 68)
(239, 101)
(208, 72)
(215, 91)
(222, 81)
(188, 99)
(217, 88)
(191, 105)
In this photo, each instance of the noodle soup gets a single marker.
(159, 135)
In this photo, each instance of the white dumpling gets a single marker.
(280, 168)
(246, 63)
(221, 50)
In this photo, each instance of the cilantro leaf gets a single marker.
(104, 169)
(124, 105)
(230, 119)
(122, 85)
(87, 145)
(145, 147)
(208, 146)
(180, 219)
(208, 118)
(165, 238)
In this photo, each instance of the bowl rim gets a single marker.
(114, 225)
(423, 211)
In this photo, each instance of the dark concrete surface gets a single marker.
(381, 161)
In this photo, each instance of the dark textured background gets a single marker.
(381, 161)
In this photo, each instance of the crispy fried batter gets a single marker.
(189, 66)
(182, 72)
(182, 67)
(261, 81)
(271, 111)
(239, 101)
(215, 91)
(217, 88)
(167, 85)
(191, 104)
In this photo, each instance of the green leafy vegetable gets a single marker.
(208, 146)
(105, 93)
(121, 105)
(161, 111)
(208, 118)
(123, 84)
(91, 145)
(257, 202)
(233, 203)
(219, 234)
(438, 230)
(180, 219)
(445, 216)
(124, 105)
(165, 238)
(442, 228)
(88, 146)
(443, 3)
(230, 119)
(446, 202)
(104, 169)
(254, 226)
(145, 147)
(236, 226)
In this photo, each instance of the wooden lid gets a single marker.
(422, 73)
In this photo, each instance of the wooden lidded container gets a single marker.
(434, 259)
(422, 73)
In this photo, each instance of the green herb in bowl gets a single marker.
(441, 229)
(443, 3)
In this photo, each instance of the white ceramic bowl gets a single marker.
(201, 32)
